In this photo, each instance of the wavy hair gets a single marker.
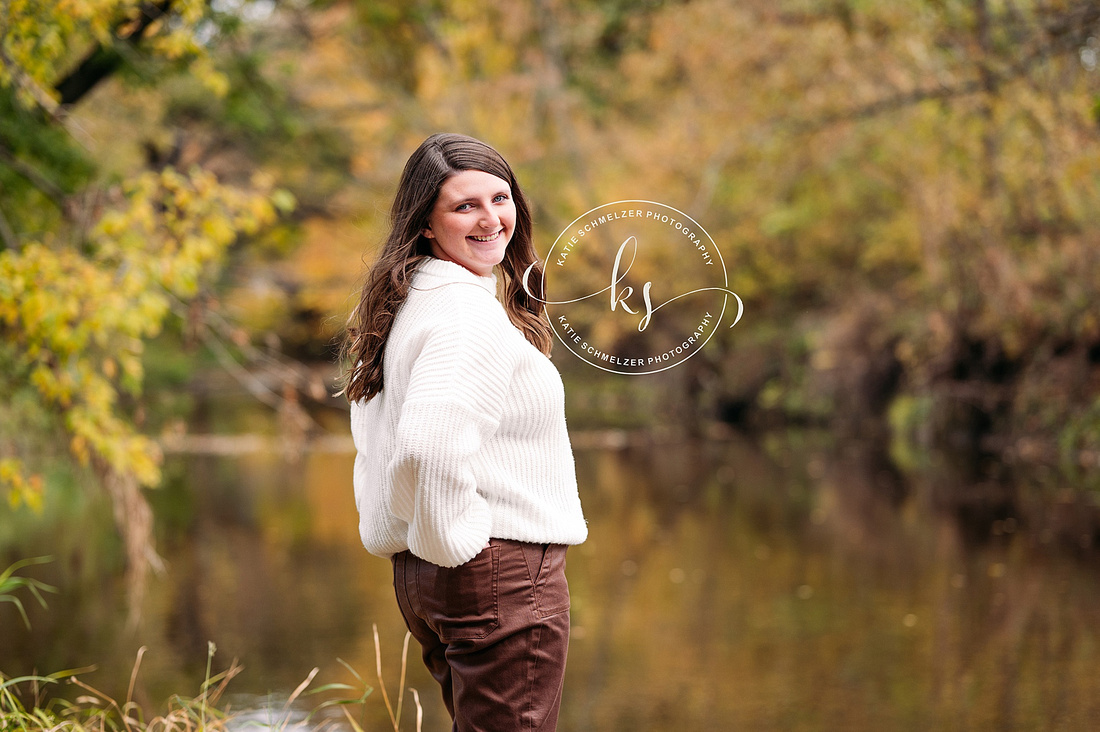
(389, 278)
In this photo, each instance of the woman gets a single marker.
(464, 474)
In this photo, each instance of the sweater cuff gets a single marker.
(467, 537)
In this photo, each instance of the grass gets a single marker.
(93, 710)
(24, 705)
(10, 582)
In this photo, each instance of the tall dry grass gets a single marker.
(25, 705)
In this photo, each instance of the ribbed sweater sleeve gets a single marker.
(452, 406)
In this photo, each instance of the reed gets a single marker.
(24, 704)
(24, 707)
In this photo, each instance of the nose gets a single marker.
(490, 220)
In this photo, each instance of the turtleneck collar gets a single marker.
(433, 272)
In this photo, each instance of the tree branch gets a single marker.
(103, 61)
(21, 78)
(1062, 37)
(39, 181)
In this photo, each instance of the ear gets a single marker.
(427, 232)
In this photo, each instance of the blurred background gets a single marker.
(872, 505)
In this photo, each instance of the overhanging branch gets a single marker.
(1063, 36)
(103, 61)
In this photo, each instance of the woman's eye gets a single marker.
(500, 197)
(463, 207)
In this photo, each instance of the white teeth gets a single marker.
(491, 237)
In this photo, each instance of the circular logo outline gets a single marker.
(721, 263)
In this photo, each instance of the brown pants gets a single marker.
(494, 632)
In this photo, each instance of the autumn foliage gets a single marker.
(904, 194)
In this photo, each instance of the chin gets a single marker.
(493, 260)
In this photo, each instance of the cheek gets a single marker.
(452, 226)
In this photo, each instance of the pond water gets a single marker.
(773, 584)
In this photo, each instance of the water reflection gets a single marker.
(785, 585)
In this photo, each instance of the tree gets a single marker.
(91, 268)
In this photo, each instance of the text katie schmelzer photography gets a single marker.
(630, 213)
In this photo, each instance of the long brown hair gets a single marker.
(387, 284)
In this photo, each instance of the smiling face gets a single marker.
(472, 221)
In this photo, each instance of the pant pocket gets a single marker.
(460, 603)
(551, 586)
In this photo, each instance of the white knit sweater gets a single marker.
(467, 438)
